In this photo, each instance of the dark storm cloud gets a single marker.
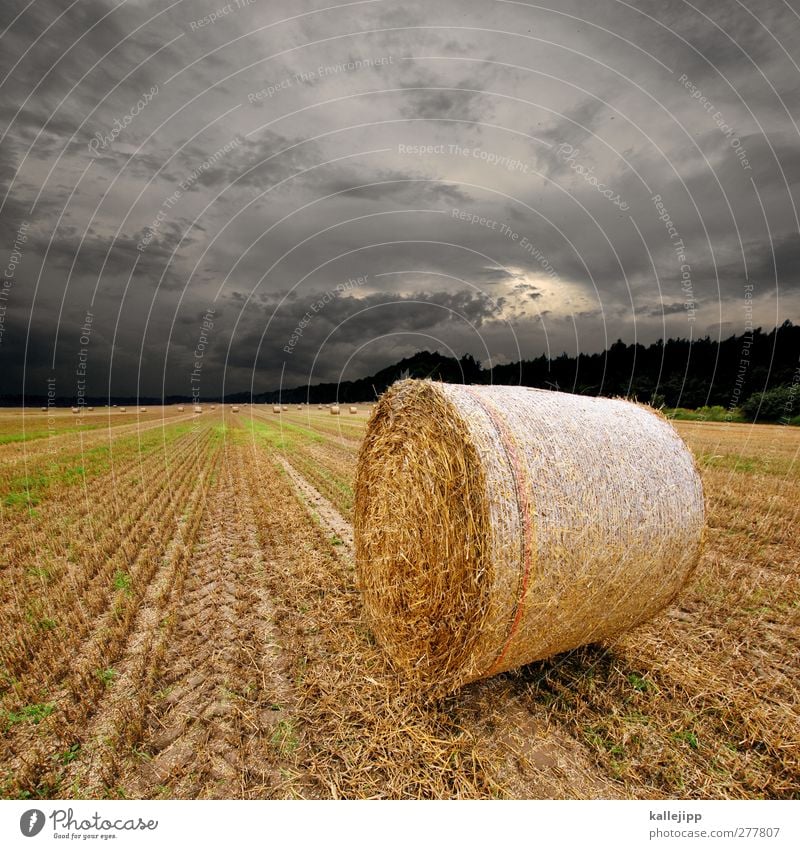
(779, 259)
(438, 104)
(544, 248)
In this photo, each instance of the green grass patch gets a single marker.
(639, 683)
(29, 490)
(107, 676)
(122, 581)
(704, 414)
(30, 713)
(284, 737)
(688, 737)
(283, 435)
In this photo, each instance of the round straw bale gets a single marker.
(335, 410)
(276, 409)
(499, 525)
(354, 410)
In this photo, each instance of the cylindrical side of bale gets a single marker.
(499, 525)
(334, 411)
(354, 410)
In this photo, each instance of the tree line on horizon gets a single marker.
(756, 373)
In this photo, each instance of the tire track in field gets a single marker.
(77, 589)
(322, 509)
(222, 720)
(116, 725)
(74, 673)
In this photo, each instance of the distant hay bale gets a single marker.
(198, 409)
(320, 407)
(276, 409)
(91, 409)
(143, 409)
(354, 409)
(285, 409)
(180, 408)
(299, 406)
(335, 410)
(234, 409)
(76, 409)
(44, 409)
(123, 409)
(499, 525)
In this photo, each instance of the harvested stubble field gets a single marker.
(179, 618)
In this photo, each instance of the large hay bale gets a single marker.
(276, 409)
(335, 410)
(353, 410)
(499, 525)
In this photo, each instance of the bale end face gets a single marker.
(421, 524)
(495, 526)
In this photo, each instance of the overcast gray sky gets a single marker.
(492, 177)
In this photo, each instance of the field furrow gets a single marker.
(220, 723)
(66, 578)
(58, 689)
